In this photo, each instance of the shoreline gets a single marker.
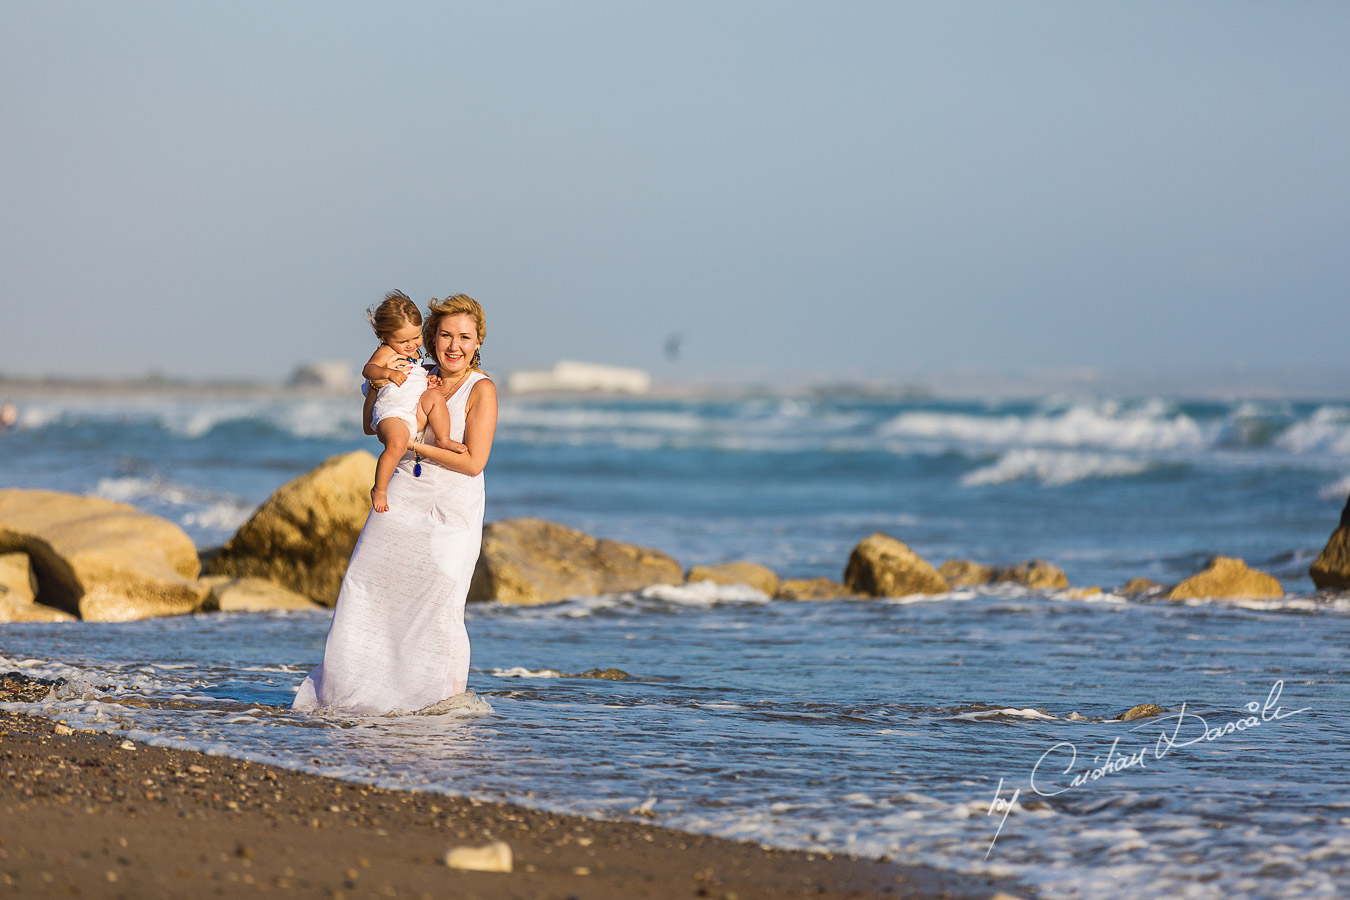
(92, 814)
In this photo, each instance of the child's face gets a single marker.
(405, 341)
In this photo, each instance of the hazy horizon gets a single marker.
(803, 192)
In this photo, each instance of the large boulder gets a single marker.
(303, 536)
(530, 561)
(1034, 573)
(761, 578)
(881, 566)
(1331, 569)
(1226, 576)
(100, 560)
(228, 594)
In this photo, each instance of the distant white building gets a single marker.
(329, 374)
(567, 375)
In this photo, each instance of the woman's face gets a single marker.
(456, 341)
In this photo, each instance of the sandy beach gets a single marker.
(91, 815)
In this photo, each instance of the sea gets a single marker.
(975, 730)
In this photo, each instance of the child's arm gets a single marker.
(378, 369)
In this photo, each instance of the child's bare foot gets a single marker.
(455, 447)
(379, 500)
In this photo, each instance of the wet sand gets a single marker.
(89, 815)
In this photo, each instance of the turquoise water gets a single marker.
(881, 727)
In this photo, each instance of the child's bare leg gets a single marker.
(394, 435)
(432, 409)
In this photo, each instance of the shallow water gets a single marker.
(880, 727)
(877, 727)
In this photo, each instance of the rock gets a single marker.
(1085, 593)
(881, 566)
(761, 578)
(100, 560)
(1076, 717)
(1034, 573)
(303, 536)
(812, 589)
(17, 580)
(1331, 569)
(18, 590)
(966, 573)
(228, 594)
(1140, 587)
(494, 857)
(530, 561)
(15, 610)
(610, 674)
(1227, 577)
(1142, 711)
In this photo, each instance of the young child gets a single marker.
(404, 406)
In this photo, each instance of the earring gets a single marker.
(477, 358)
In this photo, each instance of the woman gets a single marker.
(397, 643)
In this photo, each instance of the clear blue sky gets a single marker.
(798, 188)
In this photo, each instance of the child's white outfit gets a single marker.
(399, 401)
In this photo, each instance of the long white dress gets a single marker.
(397, 643)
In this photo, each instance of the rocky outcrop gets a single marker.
(966, 573)
(1142, 711)
(1226, 576)
(882, 566)
(17, 581)
(530, 561)
(1034, 573)
(226, 594)
(303, 536)
(18, 591)
(761, 578)
(812, 589)
(100, 560)
(1141, 587)
(1331, 569)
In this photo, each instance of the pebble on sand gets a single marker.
(494, 857)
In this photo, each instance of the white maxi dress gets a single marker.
(397, 643)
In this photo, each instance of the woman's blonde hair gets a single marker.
(459, 304)
(396, 311)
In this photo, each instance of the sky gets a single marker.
(801, 191)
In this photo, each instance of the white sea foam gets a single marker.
(704, 594)
(1326, 431)
(219, 516)
(1053, 467)
(1150, 428)
(522, 672)
(1010, 712)
(1337, 490)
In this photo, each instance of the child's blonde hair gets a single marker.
(396, 311)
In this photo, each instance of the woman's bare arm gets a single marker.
(480, 427)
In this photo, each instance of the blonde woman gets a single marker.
(397, 643)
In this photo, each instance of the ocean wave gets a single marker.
(1337, 490)
(206, 510)
(1053, 467)
(1326, 431)
(1107, 427)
